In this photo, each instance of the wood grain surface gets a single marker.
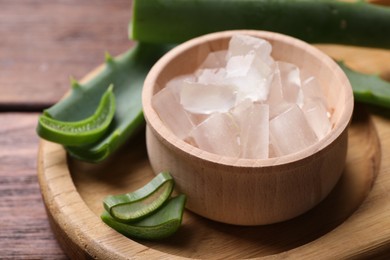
(24, 230)
(43, 43)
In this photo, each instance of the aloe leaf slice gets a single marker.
(164, 222)
(142, 202)
(127, 73)
(368, 88)
(83, 131)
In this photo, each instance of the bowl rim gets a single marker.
(164, 133)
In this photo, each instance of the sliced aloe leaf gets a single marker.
(127, 73)
(164, 222)
(142, 202)
(80, 132)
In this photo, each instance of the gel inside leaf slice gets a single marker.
(142, 202)
(164, 222)
(368, 88)
(83, 131)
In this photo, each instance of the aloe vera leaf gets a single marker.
(79, 132)
(127, 73)
(164, 222)
(142, 202)
(323, 21)
(368, 88)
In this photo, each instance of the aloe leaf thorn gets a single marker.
(108, 58)
(74, 83)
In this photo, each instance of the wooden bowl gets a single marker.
(250, 191)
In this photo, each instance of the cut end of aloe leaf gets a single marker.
(79, 132)
(142, 202)
(163, 223)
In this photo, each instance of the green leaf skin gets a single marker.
(367, 88)
(79, 132)
(127, 74)
(323, 21)
(164, 222)
(142, 202)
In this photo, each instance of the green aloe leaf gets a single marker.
(164, 222)
(368, 88)
(142, 202)
(127, 73)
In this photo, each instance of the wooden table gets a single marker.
(42, 44)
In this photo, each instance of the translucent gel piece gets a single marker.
(215, 59)
(244, 44)
(167, 105)
(196, 119)
(277, 109)
(253, 121)
(290, 132)
(211, 76)
(240, 108)
(275, 95)
(207, 98)
(311, 89)
(291, 82)
(218, 134)
(276, 102)
(177, 82)
(317, 117)
(239, 66)
(251, 76)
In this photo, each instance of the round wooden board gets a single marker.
(73, 192)
(353, 221)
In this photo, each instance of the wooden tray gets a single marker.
(353, 221)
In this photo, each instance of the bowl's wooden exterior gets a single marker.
(242, 191)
